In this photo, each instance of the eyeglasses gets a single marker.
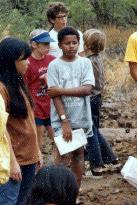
(61, 17)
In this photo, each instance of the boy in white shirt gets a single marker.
(57, 14)
(70, 81)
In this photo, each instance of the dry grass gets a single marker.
(116, 41)
(119, 84)
(116, 36)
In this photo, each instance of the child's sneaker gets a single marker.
(79, 202)
(89, 174)
(113, 166)
(98, 171)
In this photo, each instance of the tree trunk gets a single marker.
(103, 14)
(22, 5)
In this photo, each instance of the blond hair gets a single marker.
(94, 40)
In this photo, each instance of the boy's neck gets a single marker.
(57, 29)
(65, 58)
(37, 55)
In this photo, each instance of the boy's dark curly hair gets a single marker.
(68, 30)
(54, 9)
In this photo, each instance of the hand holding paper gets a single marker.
(79, 139)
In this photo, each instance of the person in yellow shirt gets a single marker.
(4, 145)
(131, 55)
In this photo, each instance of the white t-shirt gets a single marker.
(55, 50)
(70, 75)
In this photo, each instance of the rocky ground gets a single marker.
(118, 122)
(112, 189)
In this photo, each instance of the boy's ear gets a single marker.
(33, 44)
(52, 21)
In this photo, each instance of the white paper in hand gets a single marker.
(79, 139)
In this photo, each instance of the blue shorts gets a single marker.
(46, 122)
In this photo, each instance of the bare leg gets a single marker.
(40, 133)
(50, 132)
(61, 160)
(77, 164)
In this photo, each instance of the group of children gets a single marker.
(64, 95)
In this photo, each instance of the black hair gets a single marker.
(11, 49)
(68, 30)
(55, 185)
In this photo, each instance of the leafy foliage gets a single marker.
(19, 17)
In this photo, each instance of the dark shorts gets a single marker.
(45, 122)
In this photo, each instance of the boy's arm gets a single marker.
(67, 134)
(131, 55)
(86, 84)
(27, 76)
(84, 90)
(133, 70)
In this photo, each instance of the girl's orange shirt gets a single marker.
(22, 133)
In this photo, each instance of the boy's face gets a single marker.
(87, 50)
(60, 21)
(69, 46)
(85, 47)
(42, 49)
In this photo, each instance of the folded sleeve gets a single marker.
(53, 78)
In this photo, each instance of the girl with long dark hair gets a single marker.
(21, 129)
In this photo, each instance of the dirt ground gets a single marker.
(119, 122)
(111, 189)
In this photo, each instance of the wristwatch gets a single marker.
(63, 117)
